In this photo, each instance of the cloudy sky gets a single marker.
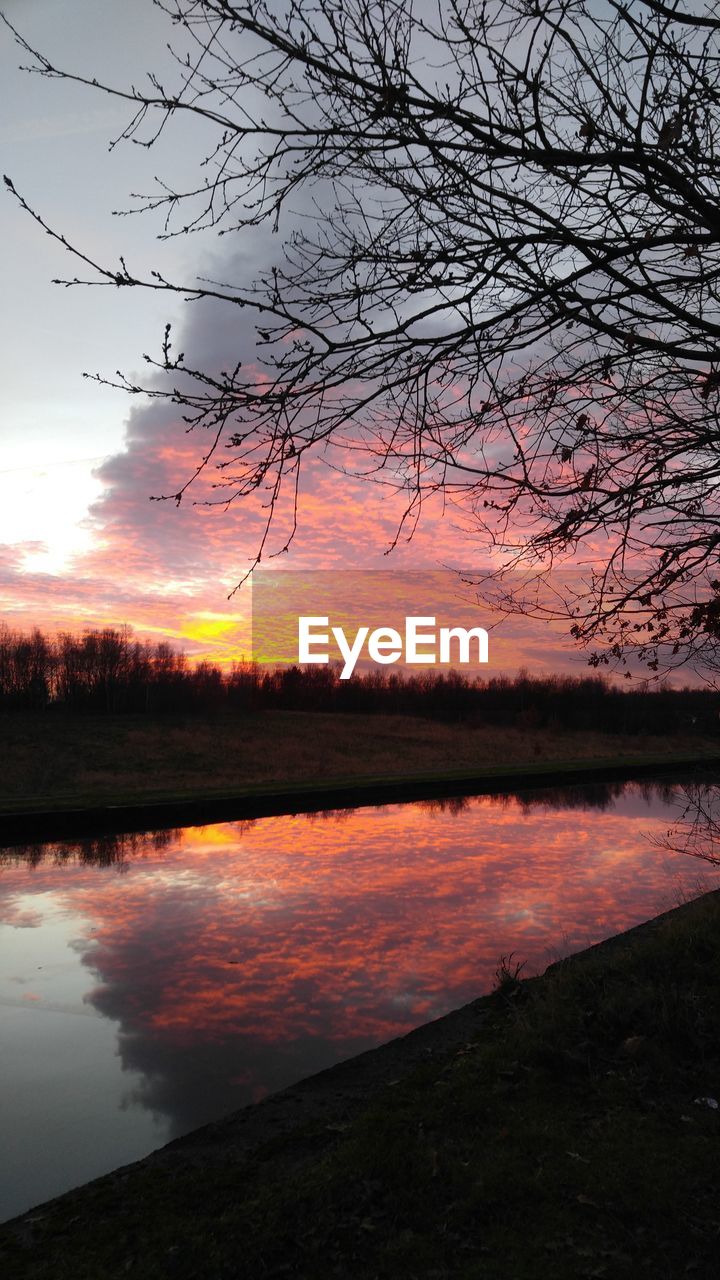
(80, 542)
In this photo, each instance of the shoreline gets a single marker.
(332, 1098)
(38, 824)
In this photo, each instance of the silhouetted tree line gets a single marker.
(110, 849)
(524, 701)
(104, 670)
(109, 671)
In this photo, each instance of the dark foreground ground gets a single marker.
(53, 760)
(566, 1126)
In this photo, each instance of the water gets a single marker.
(151, 983)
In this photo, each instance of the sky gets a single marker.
(81, 544)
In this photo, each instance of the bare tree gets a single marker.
(696, 829)
(501, 282)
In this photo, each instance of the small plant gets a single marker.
(507, 974)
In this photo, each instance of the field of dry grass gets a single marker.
(114, 759)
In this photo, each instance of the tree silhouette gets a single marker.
(500, 279)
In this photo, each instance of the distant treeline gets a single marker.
(109, 671)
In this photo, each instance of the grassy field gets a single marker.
(55, 759)
(576, 1136)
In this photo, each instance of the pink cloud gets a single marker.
(168, 570)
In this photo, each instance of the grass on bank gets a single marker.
(63, 760)
(576, 1137)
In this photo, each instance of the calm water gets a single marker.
(151, 983)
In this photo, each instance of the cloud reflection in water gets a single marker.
(237, 958)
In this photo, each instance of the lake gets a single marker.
(151, 983)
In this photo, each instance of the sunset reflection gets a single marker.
(238, 958)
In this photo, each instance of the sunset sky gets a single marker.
(80, 542)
